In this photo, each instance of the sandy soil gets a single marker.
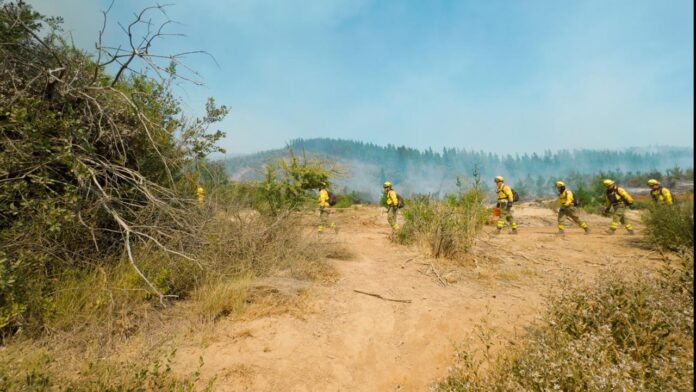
(349, 341)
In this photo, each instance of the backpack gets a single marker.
(400, 201)
(515, 195)
(661, 192)
(332, 198)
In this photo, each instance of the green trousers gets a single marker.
(618, 215)
(323, 216)
(505, 216)
(392, 212)
(572, 214)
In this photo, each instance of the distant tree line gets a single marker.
(429, 171)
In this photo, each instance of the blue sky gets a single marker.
(501, 76)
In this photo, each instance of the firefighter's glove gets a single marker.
(606, 210)
(632, 206)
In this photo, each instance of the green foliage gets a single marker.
(670, 227)
(347, 199)
(85, 159)
(288, 182)
(622, 333)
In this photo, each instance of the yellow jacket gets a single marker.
(566, 198)
(392, 199)
(618, 195)
(323, 198)
(505, 193)
(661, 195)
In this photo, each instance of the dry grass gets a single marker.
(216, 299)
(37, 369)
(445, 228)
(624, 332)
(106, 331)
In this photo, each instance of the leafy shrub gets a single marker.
(670, 227)
(288, 182)
(345, 199)
(91, 164)
(621, 333)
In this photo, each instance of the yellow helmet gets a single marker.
(653, 181)
(499, 179)
(607, 182)
(387, 184)
(560, 184)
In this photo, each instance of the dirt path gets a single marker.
(349, 341)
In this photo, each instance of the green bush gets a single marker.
(670, 227)
(344, 200)
(92, 165)
(621, 333)
(288, 184)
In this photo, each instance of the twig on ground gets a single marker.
(589, 262)
(511, 284)
(407, 261)
(444, 283)
(406, 301)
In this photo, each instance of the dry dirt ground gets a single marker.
(349, 341)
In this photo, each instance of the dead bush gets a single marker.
(448, 227)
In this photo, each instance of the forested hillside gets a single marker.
(367, 165)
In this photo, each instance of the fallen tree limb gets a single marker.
(406, 301)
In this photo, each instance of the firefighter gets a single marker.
(324, 205)
(505, 200)
(392, 205)
(200, 195)
(567, 208)
(617, 201)
(659, 194)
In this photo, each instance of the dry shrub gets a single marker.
(105, 306)
(229, 247)
(242, 242)
(622, 333)
(447, 228)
